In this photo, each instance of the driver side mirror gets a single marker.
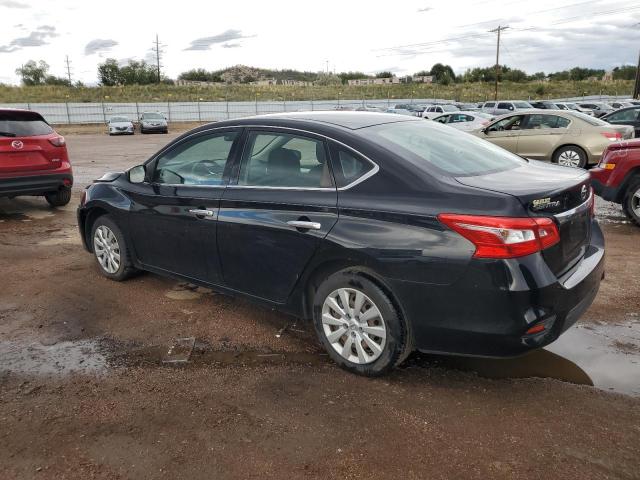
(137, 174)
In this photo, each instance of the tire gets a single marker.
(570, 156)
(59, 198)
(631, 201)
(114, 261)
(392, 346)
(142, 131)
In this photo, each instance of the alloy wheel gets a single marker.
(107, 249)
(569, 158)
(353, 325)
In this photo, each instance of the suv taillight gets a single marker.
(57, 141)
(504, 237)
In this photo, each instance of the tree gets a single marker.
(346, 76)
(138, 73)
(514, 75)
(328, 79)
(200, 75)
(109, 73)
(384, 75)
(53, 80)
(626, 72)
(33, 73)
(440, 72)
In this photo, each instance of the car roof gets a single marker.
(346, 119)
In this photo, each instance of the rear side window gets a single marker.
(624, 116)
(23, 124)
(489, 104)
(541, 122)
(284, 160)
(505, 106)
(348, 166)
(429, 144)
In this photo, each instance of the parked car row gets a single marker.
(149, 122)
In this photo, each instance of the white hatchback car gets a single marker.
(464, 120)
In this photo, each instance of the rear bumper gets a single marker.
(605, 191)
(489, 310)
(35, 184)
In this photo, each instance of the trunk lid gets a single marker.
(561, 193)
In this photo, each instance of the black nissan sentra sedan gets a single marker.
(388, 232)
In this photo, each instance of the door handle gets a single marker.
(198, 212)
(302, 225)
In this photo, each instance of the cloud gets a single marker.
(99, 45)
(13, 4)
(205, 43)
(231, 45)
(425, 9)
(36, 38)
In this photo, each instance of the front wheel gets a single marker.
(358, 325)
(570, 156)
(631, 201)
(110, 249)
(59, 198)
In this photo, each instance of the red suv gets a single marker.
(617, 177)
(33, 158)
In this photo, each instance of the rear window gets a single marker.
(455, 153)
(522, 104)
(596, 122)
(23, 124)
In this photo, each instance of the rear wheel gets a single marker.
(570, 156)
(110, 249)
(358, 325)
(631, 201)
(59, 198)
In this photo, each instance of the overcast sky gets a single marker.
(402, 36)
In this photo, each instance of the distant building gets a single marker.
(607, 77)
(264, 82)
(422, 78)
(374, 81)
(196, 83)
(296, 83)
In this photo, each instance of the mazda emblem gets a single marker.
(17, 144)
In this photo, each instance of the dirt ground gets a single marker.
(84, 392)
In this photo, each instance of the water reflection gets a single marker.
(604, 356)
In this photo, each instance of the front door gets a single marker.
(273, 217)
(505, 132)
(173, 218)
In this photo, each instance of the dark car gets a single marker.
(625, 116)
(153, 122)
(388, 232)
(599, 109)
(617, 177)
(33, 158)
(545, 105)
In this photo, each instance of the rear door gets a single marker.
(540, 135)
(273, 217)
(25, 145)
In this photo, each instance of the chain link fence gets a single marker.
(74, 113)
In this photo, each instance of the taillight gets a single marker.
(612, 136)
(57, 141)
(504, 237)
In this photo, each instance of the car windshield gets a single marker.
(596, 122)
(118, 119)
(482, 115)
(23, 124)
(522, 105)
(452, 152)
(449, 108)
(152, 116)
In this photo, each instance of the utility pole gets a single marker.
(497, 30)
(636, 88)
(158, 51)
(66, 60)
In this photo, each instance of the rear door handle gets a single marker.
(198, 212)
(302, 225)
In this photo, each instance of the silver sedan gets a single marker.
(465, 120)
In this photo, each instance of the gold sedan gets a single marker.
(567, 138)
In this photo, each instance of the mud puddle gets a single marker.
(604, 356)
